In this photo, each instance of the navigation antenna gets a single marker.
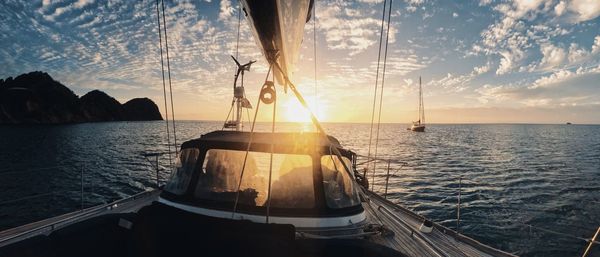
(239, 98)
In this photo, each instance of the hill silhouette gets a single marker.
(36, 98)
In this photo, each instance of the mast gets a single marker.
(239, 98)
(421, 104)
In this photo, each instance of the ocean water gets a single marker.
(511, 176)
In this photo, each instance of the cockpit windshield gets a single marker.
(291, 180)
(184, 168)
(298, 181)
(337, 183)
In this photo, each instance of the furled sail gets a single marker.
(278, 28)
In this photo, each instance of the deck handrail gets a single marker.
(51, 224)
(591, 241)
(82, 166)
(387, 161)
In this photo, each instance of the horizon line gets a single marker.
(432, 123)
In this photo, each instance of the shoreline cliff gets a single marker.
(36, 98)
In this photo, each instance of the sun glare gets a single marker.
(295, 112)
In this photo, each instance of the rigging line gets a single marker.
(169, 73)
(387, 37)
(228, 114)
(237, 195)
(247, 112)
(271, 157)
(320, 129)
(162, 66)
(313, 118)
(237, 45)
(375, 90)
(315, 54)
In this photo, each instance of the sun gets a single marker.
(295, 112)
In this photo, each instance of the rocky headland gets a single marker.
(36, 98)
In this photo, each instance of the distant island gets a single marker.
(36, 98)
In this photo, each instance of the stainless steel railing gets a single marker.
(378, 172)
(86, 181)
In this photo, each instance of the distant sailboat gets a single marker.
(419, 125)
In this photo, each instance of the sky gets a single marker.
(485, 61)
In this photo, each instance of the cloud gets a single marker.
(560, 8)
(226, 10)
(452, 82)
(563, 75)
(515, 34)
(576, 53)
(553, 56)
(484, 2)
(560, 88)
(554, 78)
(82, 3)
(482, 69)
(508, 61)
(454, 15)
(355, 32)
(402, 65)
(371, 1)
(596, 46)
(79, 4)
(585, 9)
(413, 4)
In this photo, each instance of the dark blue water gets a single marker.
(544, 175)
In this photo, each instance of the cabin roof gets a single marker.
(279, 138)
(283, 142)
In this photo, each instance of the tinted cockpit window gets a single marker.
(184, 167)
(291, 183)
(337, 183)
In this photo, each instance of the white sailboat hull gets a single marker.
(417, 128)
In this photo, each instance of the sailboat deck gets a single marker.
(410, 241)
(404, 224)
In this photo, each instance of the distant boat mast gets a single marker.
(421, 104)
(419, 125)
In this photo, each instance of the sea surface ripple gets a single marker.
(511, 176)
